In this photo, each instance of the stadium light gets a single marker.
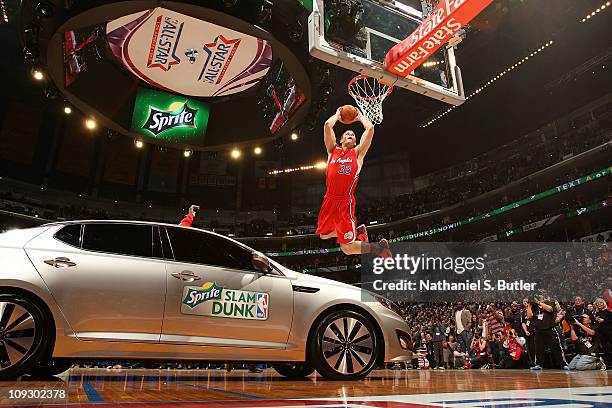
(294, 136)
(257, 150)
(321, 165)
(480, 89)
(187, 153)
(38, 75)
(91, 124)
(596, 11)
(67, 110)
(138, 143)
(235, 153)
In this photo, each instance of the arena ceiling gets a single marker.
(504, 34)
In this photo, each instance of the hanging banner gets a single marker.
(442, 24)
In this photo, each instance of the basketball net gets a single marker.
(369, 94)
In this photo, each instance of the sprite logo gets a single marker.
(208, 291)
(179, 115)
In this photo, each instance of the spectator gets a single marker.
(603, 326)
(449, 350)
(459, 357)
(494, 319)
(528, 328)
(588, 346)
(463, 321)
(438, 338)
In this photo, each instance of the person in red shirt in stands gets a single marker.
(188, 220)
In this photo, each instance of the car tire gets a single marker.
(24, 332)
(345, 346)
(49, 369)
(294, 371)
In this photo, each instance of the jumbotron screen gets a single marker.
(280, 97)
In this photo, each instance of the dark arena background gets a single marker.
(181, 223)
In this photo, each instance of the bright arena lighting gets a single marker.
(91, 124)
(319, 166)
(235, 153)
(187, 153)
(139, 144)
(257, 150)
(490, 82)
(67, 110)
(596, 11)
(38, 75)
(294, 136)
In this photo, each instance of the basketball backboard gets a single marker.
(335, 38)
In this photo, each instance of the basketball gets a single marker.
(348, 114)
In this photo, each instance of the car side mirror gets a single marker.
(261, 263)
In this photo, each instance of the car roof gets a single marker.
(51, 224)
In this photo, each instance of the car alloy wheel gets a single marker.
(21, 335)
(347, 346)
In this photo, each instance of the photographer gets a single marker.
(515, 356)
(542, 314)
(588, 346)
(478, 353)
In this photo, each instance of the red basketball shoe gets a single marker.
(362, 233)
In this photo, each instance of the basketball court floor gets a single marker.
(383, 388)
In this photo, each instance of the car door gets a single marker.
(216, 297)
(105, 278)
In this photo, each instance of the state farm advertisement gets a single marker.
(185, 55)
(444, 22)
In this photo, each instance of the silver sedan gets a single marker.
(122, 290)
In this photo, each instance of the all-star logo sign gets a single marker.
(208, 291)
(219, 57)
(165, 39)
(188, 56)
(160, 121)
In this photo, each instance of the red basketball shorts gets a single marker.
(338, 214)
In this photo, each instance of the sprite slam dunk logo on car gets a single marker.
(216, 301)
(168, 117)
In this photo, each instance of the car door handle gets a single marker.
(186, 276)
(60, 262)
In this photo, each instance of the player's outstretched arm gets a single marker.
(329, 137)
(366, 137)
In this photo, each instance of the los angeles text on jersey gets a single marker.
(444, 285)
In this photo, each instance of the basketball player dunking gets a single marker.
(337, 214)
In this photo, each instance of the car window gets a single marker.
(208, 249)
(124, 239)
(70, 234)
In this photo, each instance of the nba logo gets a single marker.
(262, 306)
